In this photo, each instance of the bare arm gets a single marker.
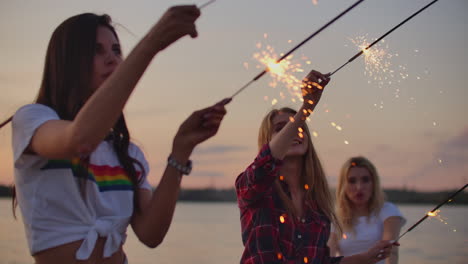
(392, 227)
(312, 91)
(66, 139)
(333, 245)
(152, 222)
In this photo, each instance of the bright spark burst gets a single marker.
(282, 73)
(440, 218)
(378, 64)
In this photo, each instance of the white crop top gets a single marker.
(367, 231)
(48, 192)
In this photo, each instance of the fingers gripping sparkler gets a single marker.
(298, 46)
(433, 212)
(383, 36)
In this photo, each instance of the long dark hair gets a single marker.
(66, 83)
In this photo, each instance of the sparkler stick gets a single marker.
(383, 36)
(433, 210)
(298, 46)
(205, 4)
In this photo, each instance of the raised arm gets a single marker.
(152, 222)
(66, 139)
(312, 89)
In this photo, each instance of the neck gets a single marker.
(360, 210)
(292, 170)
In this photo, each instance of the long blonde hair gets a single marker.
(344, 205)
(312, 171)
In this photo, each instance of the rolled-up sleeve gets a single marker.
(258, 178)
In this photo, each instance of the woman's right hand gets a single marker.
(381, 250)
(176, 22)
(312, 87)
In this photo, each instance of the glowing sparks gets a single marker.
(300, 135)
(314, 133)
(436, 215)
(279, 255)
(306, 186)
(432, 213)
(306, 260)
(300, 129)
(282, 73)
(378, 63)
(346, 142)
(315, 2)
(281, 218)
(291, 119)
(345, 236)
(281, 177)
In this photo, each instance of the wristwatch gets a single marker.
(184, 169)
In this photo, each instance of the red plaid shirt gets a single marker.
(269, 234)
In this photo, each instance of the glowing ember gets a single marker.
(291, 119)
(280, 256)
(281, 219)
(432, 213)
(306, 186)
(281, 177)
(345, 236)
(306, 260)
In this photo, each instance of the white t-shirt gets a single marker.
(367, 231)
(48, 191)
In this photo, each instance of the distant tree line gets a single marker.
(398, 196)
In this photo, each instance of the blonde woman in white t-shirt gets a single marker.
(364, 215)
(79, 180)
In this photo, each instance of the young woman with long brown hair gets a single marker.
(79, 180)
(285, 203)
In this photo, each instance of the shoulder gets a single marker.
(135, 151)
(33, 113)
(388, 210)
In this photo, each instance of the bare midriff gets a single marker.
(66, 254)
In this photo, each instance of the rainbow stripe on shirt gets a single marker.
(107, 178)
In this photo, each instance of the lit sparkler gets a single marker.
(434, 211)
(282, 72)
(297, 46)
(365, 49)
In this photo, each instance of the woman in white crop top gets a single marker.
(79, 180)
(362, 212)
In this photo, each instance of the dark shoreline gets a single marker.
(399, 196)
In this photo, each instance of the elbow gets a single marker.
(152, 242)
(80, 145)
